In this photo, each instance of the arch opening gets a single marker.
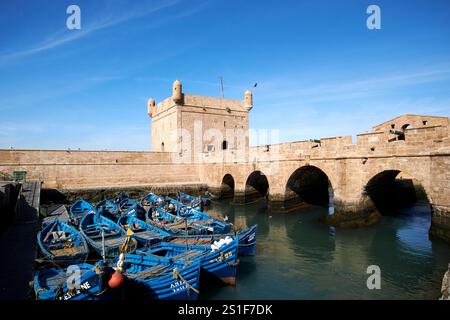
(309, 185)
(227, 186)
(391, 190)
(256, 187)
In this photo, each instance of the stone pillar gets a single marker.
(353, 213)
(284, 203)
(440, 222)
(239, 196)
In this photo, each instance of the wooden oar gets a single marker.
(50, 231)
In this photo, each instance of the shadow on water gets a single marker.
(310, 239)
(299, 257)
(412, 264)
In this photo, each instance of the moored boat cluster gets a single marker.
(155, 247)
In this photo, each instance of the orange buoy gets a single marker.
(116, 280)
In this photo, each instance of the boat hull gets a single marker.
(169, 285)
(247, 241)
(51, 284)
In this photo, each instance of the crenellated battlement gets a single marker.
(200, 140)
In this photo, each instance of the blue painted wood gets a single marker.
(133, 208)
(109, 208)
(247, 239)
(189, 199)
(92, 225)
(51, 283)
(144, 233)
(56, 235)
(158, 276)
(220, 264)
(78, 210)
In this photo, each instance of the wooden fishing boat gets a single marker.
(105, 236)
(247, 240)
(188, 199)
(199, 217)
(79, 209)
(143, 232)
(189, 224)
(176, 207)
(162, 278)
(178, 227)
(61, 243)
(218, 260)
(51, 283)
(152, 200)
(133, 208)
(109, 208)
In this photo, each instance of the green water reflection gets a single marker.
(299, 257)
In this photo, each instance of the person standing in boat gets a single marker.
(445, 289)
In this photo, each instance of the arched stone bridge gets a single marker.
(360, 179)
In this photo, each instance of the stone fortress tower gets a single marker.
(184, 123)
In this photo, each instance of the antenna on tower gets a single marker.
(221, 86)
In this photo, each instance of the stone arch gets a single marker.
(227, 186)
(256, 186)
(392, 189)
(406, 126)
(308, 185)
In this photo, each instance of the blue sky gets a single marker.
(320, 71)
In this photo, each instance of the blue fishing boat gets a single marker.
(247, 240)
(109, 208)
(62, 243)
(133, 208)
(162, 278)
(189, 223)
(178, 227)
(188, 199)
(176, 207)
(218, 259)
(201, 218)
(152, 200)
(143, 232)
(105, 236)
(52, 283)
(78, 210)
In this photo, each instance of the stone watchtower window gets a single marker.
(425, 122)
(224, 145)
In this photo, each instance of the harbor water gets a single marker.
(300, 257)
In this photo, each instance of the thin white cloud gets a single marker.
(65, 37)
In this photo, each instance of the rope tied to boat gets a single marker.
(125, 245)
(176, 275)
(231, 264)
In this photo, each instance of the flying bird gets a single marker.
(255, 84)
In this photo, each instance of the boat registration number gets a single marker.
(220, 258)
(178, 286)
(75, 292)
